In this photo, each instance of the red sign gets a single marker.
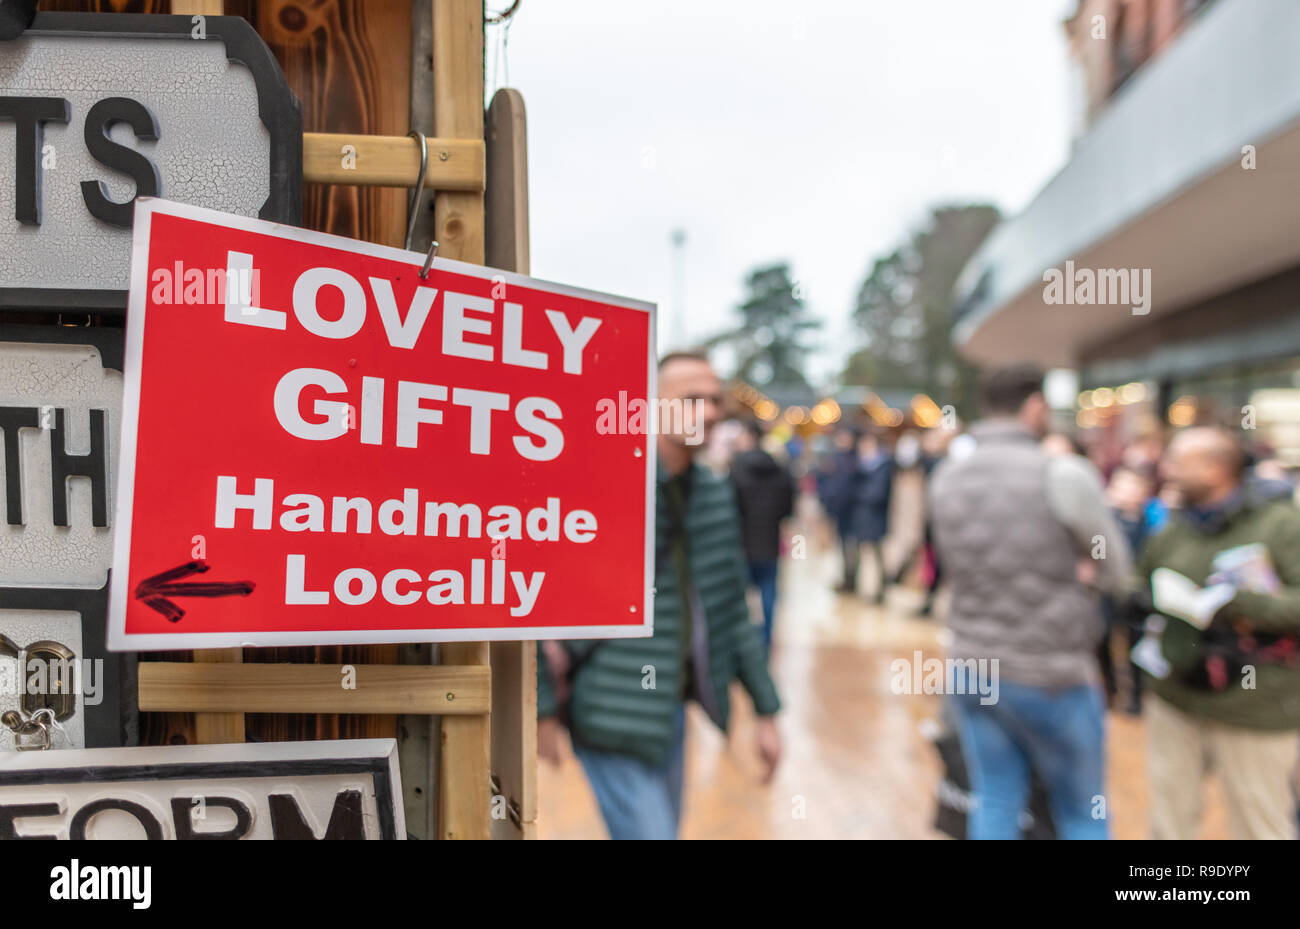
(319, 446)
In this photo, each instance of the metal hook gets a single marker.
(428, 260)
(414, 199)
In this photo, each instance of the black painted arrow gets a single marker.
(155, 590)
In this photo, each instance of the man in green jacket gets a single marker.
(624, 700)
(1228, 695)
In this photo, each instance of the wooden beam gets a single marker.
(514, 738)
(219, 728)
(464, 758)
(514, 664)
(213, 728)
(314, 688)
(464, 793)
(506, 194)
(418, 737)
(391, 161)
(458, 114)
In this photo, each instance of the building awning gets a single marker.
(1156, 184)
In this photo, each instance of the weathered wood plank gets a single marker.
(314, 688)
(514, 664)
(458, 114)
(506, 195)
(465, 787)
(214, 728)
(391, 161)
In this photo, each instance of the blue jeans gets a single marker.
(1061, 733)
(762, 574)
(638, 800)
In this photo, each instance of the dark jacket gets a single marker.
(765, 496)
(1135, 531)
(835, 488)
(873, 487)
(1274, 701)
(624, 693)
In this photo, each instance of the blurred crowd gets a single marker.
(1157, 577)
(1053, 547)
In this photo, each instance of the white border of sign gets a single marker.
(119, 640)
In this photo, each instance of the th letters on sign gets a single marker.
(60, 417)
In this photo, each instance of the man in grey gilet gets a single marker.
(1026, 541)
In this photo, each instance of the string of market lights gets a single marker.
(923, 410)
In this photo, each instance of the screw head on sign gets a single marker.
(450, 696)
(443, 156)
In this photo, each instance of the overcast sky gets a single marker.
(816, 132)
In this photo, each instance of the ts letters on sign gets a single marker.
(85, 128)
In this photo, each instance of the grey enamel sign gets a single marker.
(347, 789)
(60, 414)
(97, 109)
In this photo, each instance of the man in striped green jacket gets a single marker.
(624, 700)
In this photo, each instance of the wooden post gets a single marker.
(464, 788)
(211, 728)
(514, 664)
(419, 737)
(458, 114)
(506, 194)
